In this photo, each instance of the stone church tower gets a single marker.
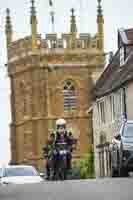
(50, 78)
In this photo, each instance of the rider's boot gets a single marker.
(47, 173)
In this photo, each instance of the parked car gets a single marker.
(122, 150)
(19, 174)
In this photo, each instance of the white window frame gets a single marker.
(119, 102)
(112, 107)
(101, 111)
(122, 56)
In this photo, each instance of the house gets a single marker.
(113, 100)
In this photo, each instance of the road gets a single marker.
(100, 189)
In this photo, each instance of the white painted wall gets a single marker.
(129, 101)
(112, 122)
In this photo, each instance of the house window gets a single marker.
(118, 103)
(101, 109)
(70, 100)
(112, 107)
(122, 59)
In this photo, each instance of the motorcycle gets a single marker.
(60, 155)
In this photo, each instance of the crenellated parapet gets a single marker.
(82, 41)
(70, 42)
(21, 47)
(51, 43)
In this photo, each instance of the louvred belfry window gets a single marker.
(70, 99)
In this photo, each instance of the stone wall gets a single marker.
(37, 98)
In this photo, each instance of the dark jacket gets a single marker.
(47, 149)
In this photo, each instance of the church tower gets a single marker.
(51, 78)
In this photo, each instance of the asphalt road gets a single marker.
(100, 189)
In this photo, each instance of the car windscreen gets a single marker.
(18, 171)
(128, 130)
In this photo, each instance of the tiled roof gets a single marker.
(129, 34)
(114, 76)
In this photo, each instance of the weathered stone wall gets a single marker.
(37, 98)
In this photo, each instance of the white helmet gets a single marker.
(60, 122)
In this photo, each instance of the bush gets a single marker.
(86, 165)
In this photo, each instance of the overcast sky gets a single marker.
(117, 14)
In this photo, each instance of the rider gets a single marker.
(63, 135)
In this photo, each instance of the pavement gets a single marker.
(97, 189)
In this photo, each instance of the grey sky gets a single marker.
(117, 14)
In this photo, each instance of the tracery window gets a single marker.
(70, 98)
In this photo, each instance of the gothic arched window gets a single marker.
(70, 99)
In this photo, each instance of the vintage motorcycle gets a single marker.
(61, 152)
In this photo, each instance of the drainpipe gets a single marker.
(124, 104)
